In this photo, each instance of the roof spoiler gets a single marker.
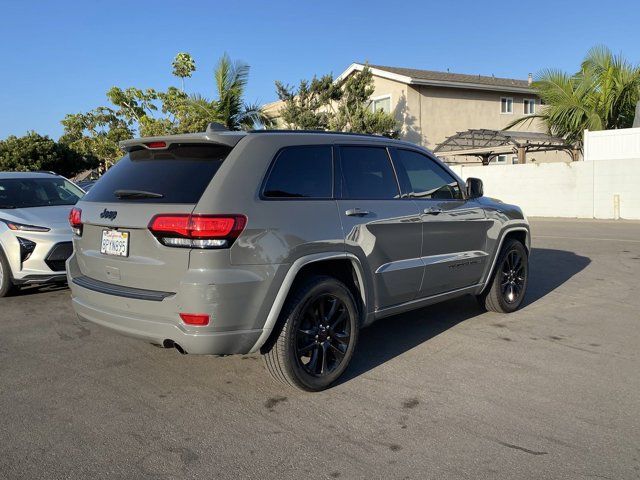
(216, 127)
(215, 133)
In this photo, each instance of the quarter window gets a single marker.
(301, 172)
(422, 177)
(506, 105)
(367, 174)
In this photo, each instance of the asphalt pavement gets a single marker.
(551, 391)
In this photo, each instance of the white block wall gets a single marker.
(581, 189)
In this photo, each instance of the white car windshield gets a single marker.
(37, 192)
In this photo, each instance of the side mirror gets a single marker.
(474, 188)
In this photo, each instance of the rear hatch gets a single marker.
(116, 245)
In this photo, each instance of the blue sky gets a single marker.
(61, 57)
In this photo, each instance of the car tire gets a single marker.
(6, 280)
(318, 335)
(508, 284)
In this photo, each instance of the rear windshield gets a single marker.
(37, 192)
(179, 174)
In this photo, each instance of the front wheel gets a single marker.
(318, 336)
(508, 285)
(6, 284)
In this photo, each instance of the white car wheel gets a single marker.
(6, 285)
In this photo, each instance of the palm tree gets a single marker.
(601, 96)
(230, 108)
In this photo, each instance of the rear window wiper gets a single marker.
(136, 194)
(6, 207)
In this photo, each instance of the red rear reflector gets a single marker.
(195, 318)
(156, 145)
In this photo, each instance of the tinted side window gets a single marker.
(301, 172)
(367, 173)
(424, 178)
(180, 174)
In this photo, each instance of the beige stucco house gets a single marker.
(432, 106)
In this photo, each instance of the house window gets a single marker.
(529, 106)
(514, 160)
(506, 105)
(501, 159)
(381, 103)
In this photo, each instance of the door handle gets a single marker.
(432, 211)
(356, 212)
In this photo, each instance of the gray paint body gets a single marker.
(402, 257)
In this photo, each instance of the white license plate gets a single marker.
(115, 242)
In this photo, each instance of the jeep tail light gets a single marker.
(195, 318)
(75, 220)
(197, 231)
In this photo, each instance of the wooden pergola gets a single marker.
(488, 144)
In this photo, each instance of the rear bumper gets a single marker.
(158, 332)
(231, 298)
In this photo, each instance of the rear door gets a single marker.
(122, 204)
(380, 227)
(454, 229)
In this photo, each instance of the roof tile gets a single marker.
(454, 77)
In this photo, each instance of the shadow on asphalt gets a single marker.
(392, 336)
(549, 268)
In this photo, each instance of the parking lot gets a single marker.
(551, 391)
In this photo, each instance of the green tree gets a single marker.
(183, 66)
(343, 106)
(230, 108)
(136, 112)
(34, 152)
(307, 107)
(601, 96)
(354, 112)
(95, 134)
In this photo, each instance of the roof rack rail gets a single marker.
(323, 132)
(50, 172)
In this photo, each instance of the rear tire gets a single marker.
(508, 283)
(320, 324)
(6, 282)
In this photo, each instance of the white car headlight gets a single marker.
(24, 228)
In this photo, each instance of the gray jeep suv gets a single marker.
(285, 243)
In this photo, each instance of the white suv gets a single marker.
(35, 237)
